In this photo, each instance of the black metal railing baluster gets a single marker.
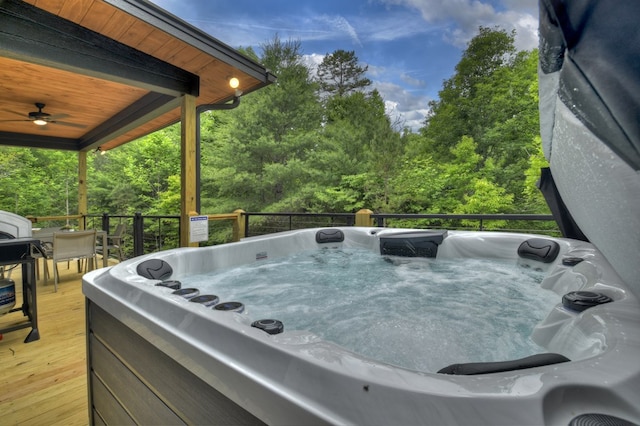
(138, 234)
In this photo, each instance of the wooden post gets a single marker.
(187, 167)
(82, 188)
(363, 218)
(238, 225)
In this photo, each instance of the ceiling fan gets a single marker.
(42, 118)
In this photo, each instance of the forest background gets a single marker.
(320, 141)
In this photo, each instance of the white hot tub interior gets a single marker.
(413, 312)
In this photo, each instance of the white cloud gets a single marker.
(338, 24)
(401, 24)
(403, 107)
(313, 60)
(465, 16)
(412, 81)
(252, 31)
(524, 6)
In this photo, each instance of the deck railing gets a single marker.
(152, 233)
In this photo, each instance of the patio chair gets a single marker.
(45, 253)
(114, 243)
(45, 235)
(76, 245)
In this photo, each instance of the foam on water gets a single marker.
(415, 313)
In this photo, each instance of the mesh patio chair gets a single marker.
(114, 243)
(76, 245)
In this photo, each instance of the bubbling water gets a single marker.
(415, 313)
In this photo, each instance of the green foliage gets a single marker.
(136, 177)
(38, 182)
(15, 164)
(417, 187)
(492, 98)
(486, 198)
(347, 197)
(533, 199)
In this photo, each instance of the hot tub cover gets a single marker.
(589, 79)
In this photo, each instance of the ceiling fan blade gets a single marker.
(66, 123)
(55, 117)
(15, 121)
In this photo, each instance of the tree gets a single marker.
(364, 148)
(339, 74)
(492, 98)
(511, 113)
(460, 111)
(258, 158)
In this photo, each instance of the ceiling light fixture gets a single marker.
(234, 83)
(40, 121)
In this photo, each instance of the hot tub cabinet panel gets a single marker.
(157, 358)
(132, 382)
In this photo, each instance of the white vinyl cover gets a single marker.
(589, 78)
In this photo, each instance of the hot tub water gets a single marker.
(415, 313)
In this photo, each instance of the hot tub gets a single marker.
(156, 357)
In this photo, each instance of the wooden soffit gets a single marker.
(107, 71)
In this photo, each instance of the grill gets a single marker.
(16, 243)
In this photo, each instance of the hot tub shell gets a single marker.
(297, 378)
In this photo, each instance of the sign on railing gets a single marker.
(198, 229)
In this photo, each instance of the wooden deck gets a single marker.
(45, 382)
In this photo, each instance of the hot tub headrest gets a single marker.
(473, 368)
(539, 249)
(154, 269)
(412, 244)
(329, 236)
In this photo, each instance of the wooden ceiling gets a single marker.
(108, 71)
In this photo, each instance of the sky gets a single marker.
(409, 46)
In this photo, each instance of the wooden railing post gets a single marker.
(238, 225)
(363, 218)
(187, 167)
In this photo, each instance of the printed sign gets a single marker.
(198, 229)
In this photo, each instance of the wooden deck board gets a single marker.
(45, 382)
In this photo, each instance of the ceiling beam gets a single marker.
(30, 34)
(134, 115)
(38, 141)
